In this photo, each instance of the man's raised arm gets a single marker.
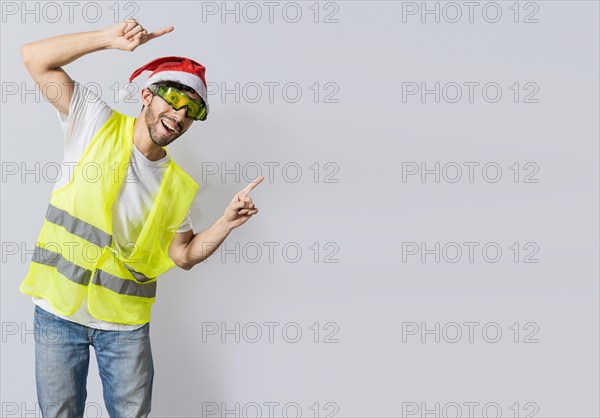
(44, 59)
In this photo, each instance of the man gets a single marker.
(110, 232)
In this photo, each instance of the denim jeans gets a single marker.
(62, 357)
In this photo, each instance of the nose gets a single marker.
(180, 113)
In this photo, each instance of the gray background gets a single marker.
(370, 295)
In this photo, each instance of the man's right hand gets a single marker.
(129, 34)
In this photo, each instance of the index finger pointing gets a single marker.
(160, 32)
(250, 186)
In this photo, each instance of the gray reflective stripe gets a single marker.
(139, 276)
(78, 227)
(122, 286)
(71, 271)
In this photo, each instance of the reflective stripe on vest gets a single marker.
(78, 274)
(139, 276)
(78, 226)
(71, 271)
(124, 287)
(82, 276)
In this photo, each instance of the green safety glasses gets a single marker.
(177, 99)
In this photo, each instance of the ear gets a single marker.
(146, 96)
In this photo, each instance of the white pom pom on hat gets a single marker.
(180, 69)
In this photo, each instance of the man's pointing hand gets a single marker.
(241, 208)
(129, 34)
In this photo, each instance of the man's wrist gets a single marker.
(223, 225)
(104, 39)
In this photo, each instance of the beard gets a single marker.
(159, 133)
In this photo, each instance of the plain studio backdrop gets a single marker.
(427, 240)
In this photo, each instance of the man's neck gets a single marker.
(142, 141)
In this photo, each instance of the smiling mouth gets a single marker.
(171, 129)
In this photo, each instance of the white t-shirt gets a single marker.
(87, 114)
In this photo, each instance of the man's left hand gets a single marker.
(241, 208)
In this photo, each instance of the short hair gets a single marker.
(174, 84)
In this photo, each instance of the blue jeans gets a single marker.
(61, 367)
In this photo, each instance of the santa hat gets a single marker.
(180, 69)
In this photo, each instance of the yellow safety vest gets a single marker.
(75, 252)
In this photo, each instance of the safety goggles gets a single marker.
(177, 99)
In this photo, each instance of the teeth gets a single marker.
(169, 127)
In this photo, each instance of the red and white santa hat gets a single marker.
(180, 69)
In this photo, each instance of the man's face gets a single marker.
(165, 124)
